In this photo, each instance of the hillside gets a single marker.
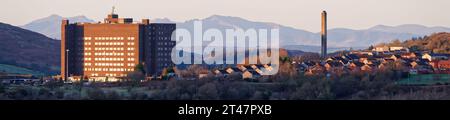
(18, 70)
(437, 43)
(27, 49)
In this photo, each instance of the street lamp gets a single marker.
(67, 64)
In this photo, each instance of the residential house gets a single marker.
(351, 57)
(355, 66)
(221, 73)
(432, 57)
(398, 48)
(421, 67)
(344, 62)
(411, 55)
(333, 65)
(368, 67)
(441, 66)
(231, 70)
(396, 57)
(382, 66)
(387, 60)
(304, 66)
(369, 60)
(257, 66)
(317, 68)
(268, 67)
(203, 74)
(250, 75)
(381, 49)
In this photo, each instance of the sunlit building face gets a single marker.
(113, 49)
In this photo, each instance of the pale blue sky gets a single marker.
(303, 14)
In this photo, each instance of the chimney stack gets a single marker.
(324, 35)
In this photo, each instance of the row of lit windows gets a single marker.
(163, 65)
(164, 48)
(109, 59)
(163, 59)
(108, 38)
(113, 59)
(164, 54)
(111, 54)
(87, 38)
(87, 64)
(109, 48)
(131, 64)
(108, 43)
(109, 69)
(130, 43)
(109, 74)
(110, 64)
(165, 43)
(114, 75)
(164, 27)
(130, 59)
(103, 48)
(163, 38)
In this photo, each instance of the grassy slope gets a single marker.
(427, 79)
(18, 70)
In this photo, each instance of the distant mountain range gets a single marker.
(51, 25)
(37, 52)
(290, 38)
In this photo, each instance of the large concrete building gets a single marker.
(324, 35)
(110, 50)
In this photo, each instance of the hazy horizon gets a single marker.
(301, 14)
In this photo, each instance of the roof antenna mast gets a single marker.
(113, 9)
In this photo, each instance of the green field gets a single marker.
(426, 79)
(18, 70)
